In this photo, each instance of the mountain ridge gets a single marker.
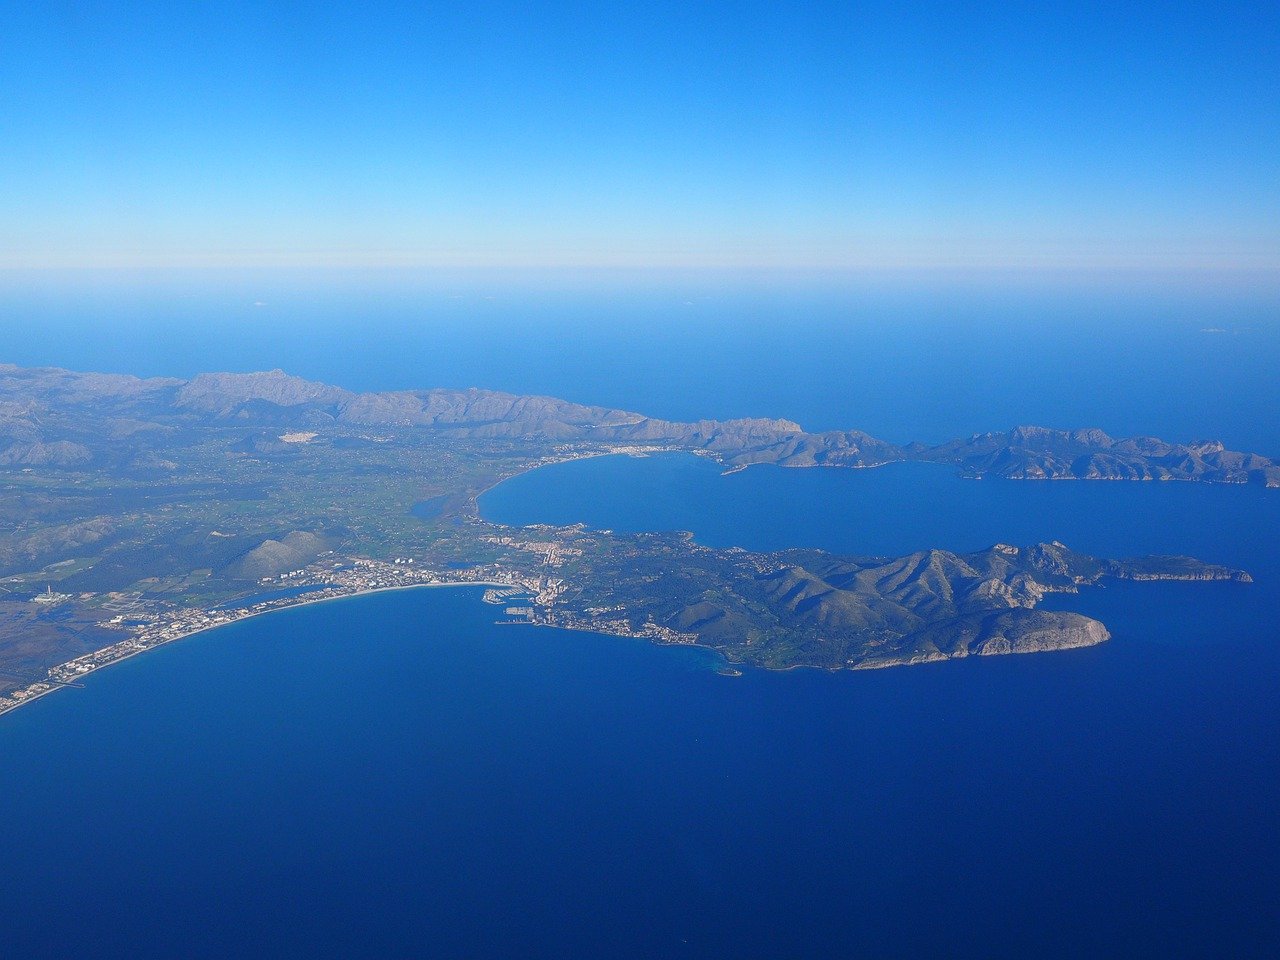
(1024, 452)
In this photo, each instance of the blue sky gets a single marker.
(824, 135)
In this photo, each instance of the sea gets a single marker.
(396, 775)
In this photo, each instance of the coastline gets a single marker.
(625, 451)
(730, 668)
(38, 689)
(53, 686)
(141, 641)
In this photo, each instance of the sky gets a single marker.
(738, 135)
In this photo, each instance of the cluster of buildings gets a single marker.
(552, 552)
(149, 630)
(621, 627)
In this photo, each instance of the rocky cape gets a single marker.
(813, 608)
(122, 498)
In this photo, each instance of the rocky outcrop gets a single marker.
(1036, 631)
(1015, 631)
(809, 607)
(1039, 453)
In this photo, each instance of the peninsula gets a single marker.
(136, 511)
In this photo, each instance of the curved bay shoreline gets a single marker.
(42, 688)
(264, 479)
(364, 576)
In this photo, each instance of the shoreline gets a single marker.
(728, 668)
(55, 685)
(68, 672)
(731, 667)
(628, 451)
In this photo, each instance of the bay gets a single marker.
(395, 775)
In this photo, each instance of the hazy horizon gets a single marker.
(1109, 142)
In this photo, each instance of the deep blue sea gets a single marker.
(396, 776)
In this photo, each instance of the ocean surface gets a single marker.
(395, 775)
(901, 364)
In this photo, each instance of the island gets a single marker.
(136, 511)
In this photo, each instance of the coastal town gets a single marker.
(251, 493)
(526, 597)
(327, 579)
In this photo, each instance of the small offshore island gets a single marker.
(141, 511)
